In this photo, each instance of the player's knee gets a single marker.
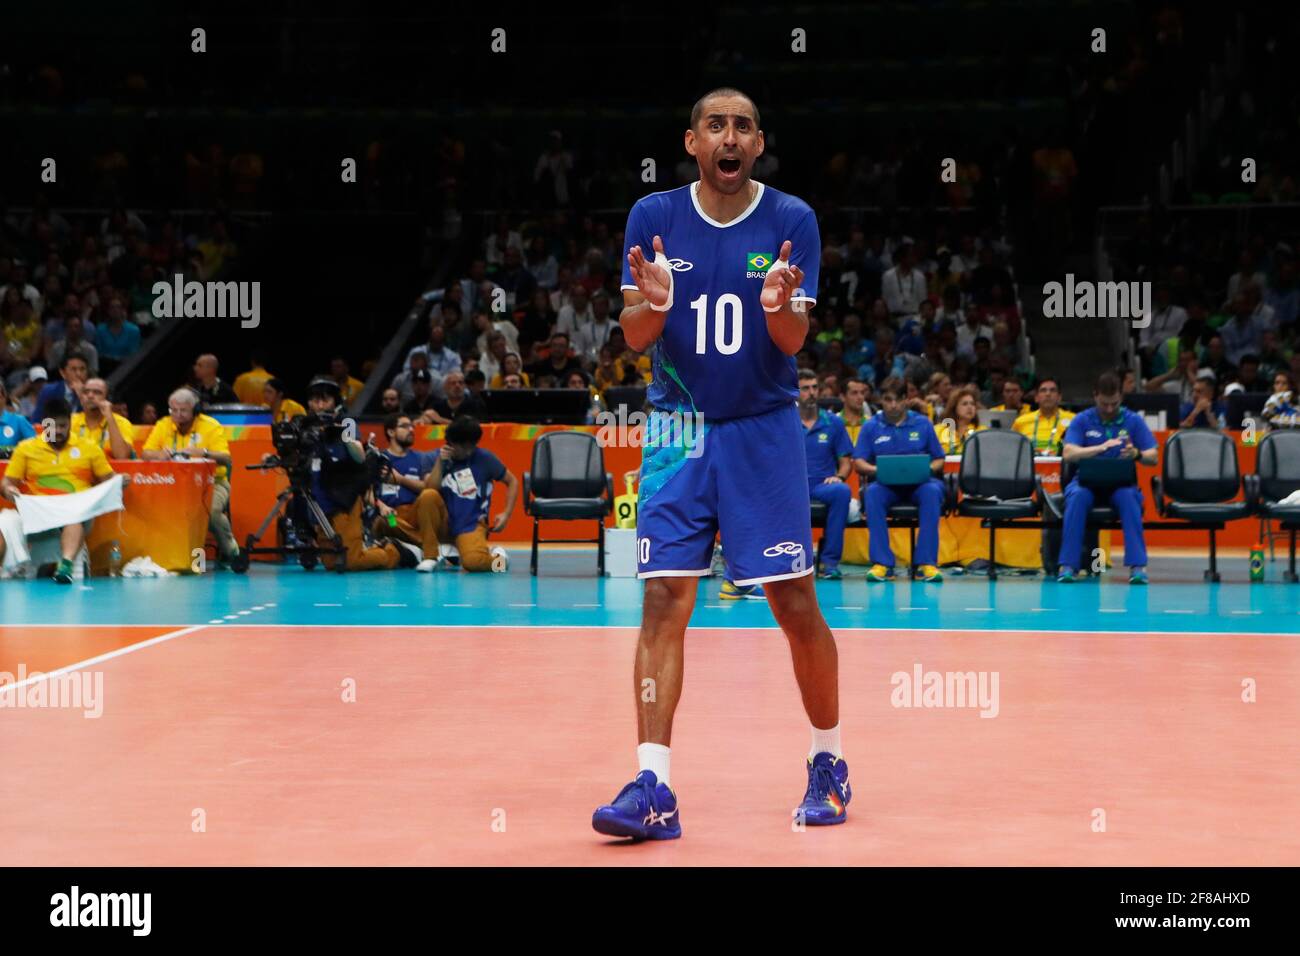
(840, 493)
(666, 596)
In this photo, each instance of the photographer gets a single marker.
(340, 479)
(406, 492)
(186, 434)
(465, 473)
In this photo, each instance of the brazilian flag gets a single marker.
(758, 261)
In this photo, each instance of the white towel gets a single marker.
(44, 512)
(16, 553)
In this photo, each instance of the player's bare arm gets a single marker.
(787, 322)
(642, 323)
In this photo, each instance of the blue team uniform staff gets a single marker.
(914, 435)
(414, 464)
(724, 447)
(825, 443)
(1086, 430)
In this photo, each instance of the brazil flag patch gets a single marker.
(758, 261)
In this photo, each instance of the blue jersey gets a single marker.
(825, 444)
(914, 435)
(467, 489)
(715, 356)
(415, 464)
(1087, 429)
(13, 429)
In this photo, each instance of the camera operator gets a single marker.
(340, 479)
(186, 434)
(407, 492)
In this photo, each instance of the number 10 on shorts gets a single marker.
(643, 550)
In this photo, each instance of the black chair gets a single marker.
(1053, 510)
(996, 464)
(1199, 476)
(568, 482)
(1277, 474)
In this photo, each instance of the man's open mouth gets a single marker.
(729, 166)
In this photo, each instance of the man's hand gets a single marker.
(384, 509)
(444, 454)
(500, 522)
(105, 408)
(833, 480)
(652, 281)
(782, 279)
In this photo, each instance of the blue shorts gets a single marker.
(746, 477)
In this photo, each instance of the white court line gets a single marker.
(586, 605)
(458, 605)
(242, 613)
(103, 657)
(392, 605)
(1112, 610)
(1042, 609)
(327, 605)
(979, 609)
(914, 609)
(1179, 610)
(717, 607)
(521, 605)
(1247, 612)
(849, 607)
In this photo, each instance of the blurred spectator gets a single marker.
(938, 392)
(950, 312)
(100, 424)
(591, 336)
(118, 338)
(390, 403)
(512, 381)
(210, 388)
(1181, 379)
(1246, 274)
(275, 397)
(1045, 427)
(485, 325)
(402, 381)
(476, 382)
(422, 399)
(903, 287)
(557, 362)
(26, 392)
(961, 420)
(148, 414)
(457, 400)
(349, 387)
(541, 264)
(13, 426)
(21, 342)
(18, 282)
(1216, 360)
(855, 410)
(511, 364)
(576, 314)
(218, 251)
(441, 359)
(970, 331)
(250, 385)
(503, 238)
(1283, 297)
(1013, 394)
(1202, 411)
(535, 321)
(73, 372)
(551, 174)
(1282, 410)
(1244, 332)
(73, 340)
(491, 359)
(517, 281)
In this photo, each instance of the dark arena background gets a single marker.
(1024, 206)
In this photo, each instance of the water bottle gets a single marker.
(1257, 562)
(115, 560)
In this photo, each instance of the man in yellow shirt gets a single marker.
(248, 385)
(100, 424)
(1045, 428)
(185, 434)
(282, 407)
(349, 387)
(56, 462)
(1013, 398)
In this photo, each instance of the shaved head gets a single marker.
(697, 111)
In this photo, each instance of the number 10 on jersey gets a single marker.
(728, 323)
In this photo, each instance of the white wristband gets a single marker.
(776, 267)
(662, 262)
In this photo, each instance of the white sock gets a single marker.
(654, 757)
(826, 741)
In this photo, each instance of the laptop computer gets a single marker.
(999, 419)
(1107, 472)
(902, 469)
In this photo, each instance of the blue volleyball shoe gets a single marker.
(645, 810)
(827, 799)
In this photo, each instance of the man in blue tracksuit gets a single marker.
(829, 453)
(895, 430)
(1108, 430)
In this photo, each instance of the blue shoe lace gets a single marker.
(643, 786)
(820, 784)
